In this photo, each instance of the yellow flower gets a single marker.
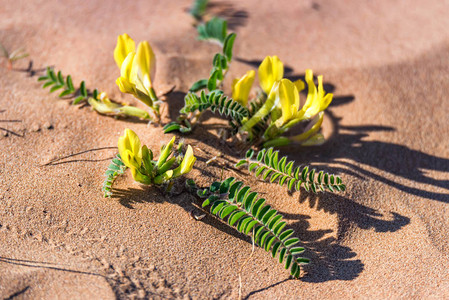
(187, 163)
(144, 64)
(130, 149)
(125, 45)
(132, 154)
(270, 70)
(241, 87)
(137, 69)
(289, 101)
(288, 94)
(317, 100)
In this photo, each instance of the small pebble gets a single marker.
(48, 125)
(35, 128)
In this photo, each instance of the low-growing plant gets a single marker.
(137, 71)
(269, 118)
(145, 170)
(235, 204)
(13, 56)
(98, 101)
(269, 166)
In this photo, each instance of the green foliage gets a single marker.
(214, 29)
(199, 9)
(116, 168)
(215, 101)
(269, 166)
(241, 208)
(58, 81)
(183, 125)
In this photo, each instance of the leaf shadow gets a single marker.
(235, 17)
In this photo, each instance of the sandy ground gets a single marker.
(387, 63)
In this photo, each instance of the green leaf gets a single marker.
(56, 87)
(47, 84)
(224, 187)
(235, 217)
(83, 90)
(252, 166)
(52, 75)
(281, 165)
(312, 175)
(302, 260)
(228, 45)
(250, 226)
(291, 241)
(199, 85)
(42, 78)
(296, 250)
(214, 29)
(78, 100)
(282, 254)
(64, 93)
(60, 78)
(227, 210)
(242, 194)
(249, 199)
(256, 206)
(249, 154)
(283, 179)
(235, 187)
(172, 126)
(212, 82)
(288, 261)
(283, 236)
(215, 186)
(259, 171)
(240, 163)
(198, 8)
(294, 269)
(274, 177)
(70, 83)
(279, 227)
(275, 249)
(216, 207)
(304, 173)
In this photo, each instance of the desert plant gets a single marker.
(137, 71)
(241, 208)
(13, 56)
(269, 166)
(139, 159)
(99, 101)
(268, 119)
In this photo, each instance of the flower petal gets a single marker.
(187, 163)
(242, 87)
(130, 142)
(289, 99)
(270, 70)
(124, 46)
(145, 65)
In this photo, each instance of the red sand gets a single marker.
(387, 63)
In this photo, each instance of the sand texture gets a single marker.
(387, 63)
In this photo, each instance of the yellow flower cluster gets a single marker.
(137, 69)
(140, 160)
(283, 100)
